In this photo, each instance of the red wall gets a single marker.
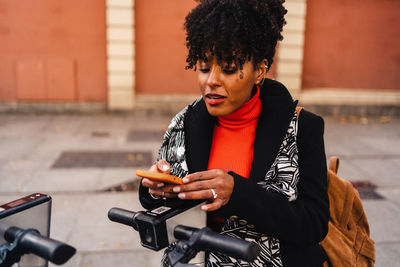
(160, 47)
(352, 44)
(52, 50)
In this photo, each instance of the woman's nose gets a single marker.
(214, 78)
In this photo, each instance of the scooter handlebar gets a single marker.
(212, 241)
(47, 248)
(206, 239)
(122, 216)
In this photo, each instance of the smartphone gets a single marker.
(161, 177)
(32, 211)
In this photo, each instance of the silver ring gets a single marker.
(215, 195)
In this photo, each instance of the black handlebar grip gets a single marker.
(213, 241)
(122, 216)
(47, 248)
(184, 232)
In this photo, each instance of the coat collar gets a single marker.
(199, 128)
(277, 112)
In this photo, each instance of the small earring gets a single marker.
(257, 82)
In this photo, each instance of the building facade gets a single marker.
(121, 54)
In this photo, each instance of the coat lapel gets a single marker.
(278, 110)
(199, 128)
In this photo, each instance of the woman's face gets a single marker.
(222, 87)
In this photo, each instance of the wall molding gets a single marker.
(342, 96)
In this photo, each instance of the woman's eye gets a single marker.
(229, 70)
(204, 70)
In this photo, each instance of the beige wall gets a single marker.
(290, 53)
(120, 53)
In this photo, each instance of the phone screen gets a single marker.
(32, 211)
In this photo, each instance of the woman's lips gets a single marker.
(214, 99)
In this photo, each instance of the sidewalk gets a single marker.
(49, 154)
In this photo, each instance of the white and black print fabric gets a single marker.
(236, 228)
(282, 177)
(173, 145)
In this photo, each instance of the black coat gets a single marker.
(300, 224)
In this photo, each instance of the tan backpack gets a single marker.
(348, 242)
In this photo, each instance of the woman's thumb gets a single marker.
(163, 166)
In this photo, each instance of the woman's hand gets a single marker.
(159, 189)
(215, 185)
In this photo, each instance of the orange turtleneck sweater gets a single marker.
(233, 138)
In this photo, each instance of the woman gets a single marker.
(241, 145)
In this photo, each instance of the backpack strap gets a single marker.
(298, 109)
(334, 164)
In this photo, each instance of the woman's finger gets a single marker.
(160, 193)
(163, 166)
(194, 186)
(200, 194)
(216, 204)
(151, 184)
(153, 168)
(204, 175)
(168, 188)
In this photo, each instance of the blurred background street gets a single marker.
(87, 164)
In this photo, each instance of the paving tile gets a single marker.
(66, 209)
(357, 139)
(50, 148)
(13, 181)
(140, 257)
(73, 262)
(145, 135)
(14, 147)
(388, 146)
(132, 185)
(26, 164)
(391, 194)
(349, 147)
(103, 159)
(387, 254)
(348, 171)
(24, 125)
(113, 142)
(380, 172)
(64, 180)
(116, 176)
(90, 229)
(383, 218)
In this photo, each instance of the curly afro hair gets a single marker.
(234, 30)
